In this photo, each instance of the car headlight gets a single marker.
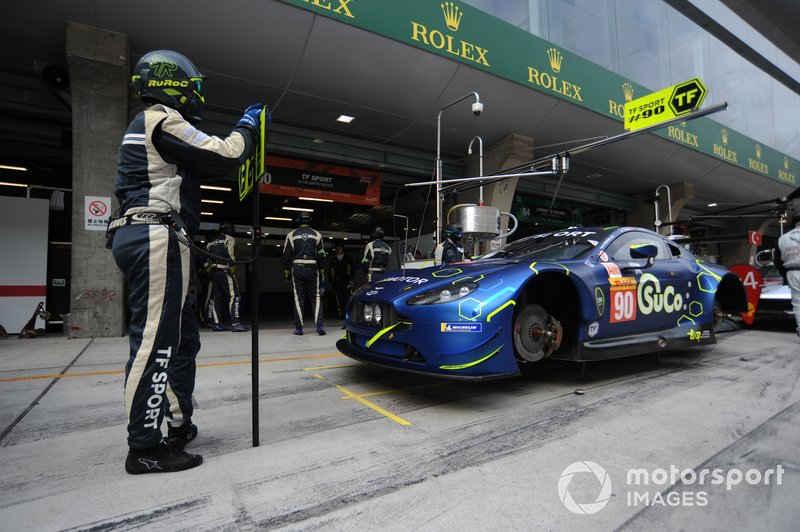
(370, 313)
(445, 294)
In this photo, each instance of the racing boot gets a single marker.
(321, 330)
(217, 327)
(238, 327)
(298, 331)
(161, 458)
(178, 437)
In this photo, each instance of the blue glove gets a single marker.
(250, 120)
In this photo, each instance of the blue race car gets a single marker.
(580, 294)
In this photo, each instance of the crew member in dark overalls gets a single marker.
(224, 288)
(161, 161)
(303, 266)
(452, 249)
(376, 255)
(340, 275)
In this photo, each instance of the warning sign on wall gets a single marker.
(97, 211)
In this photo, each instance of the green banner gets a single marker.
(466, 34)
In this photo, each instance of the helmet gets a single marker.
(453, 232)
(303, 219)
(226, 228)
(170, 78)
(377, 233)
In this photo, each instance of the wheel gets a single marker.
(536, 333)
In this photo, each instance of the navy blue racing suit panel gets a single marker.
(164, 340)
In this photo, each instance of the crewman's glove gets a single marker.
(232, 269)
(288, 275)
(250, 120)
(350, 285)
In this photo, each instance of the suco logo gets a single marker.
(602, 497)
(652, 299)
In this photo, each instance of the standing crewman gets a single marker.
(225, 289)
(303, 266)
(340, 275)
(376, 254)
(161, 161)
(788, 259)
(450, 250)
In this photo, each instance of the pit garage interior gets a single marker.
(345, 445)
(310, 67)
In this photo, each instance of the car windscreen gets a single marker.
(564, 245)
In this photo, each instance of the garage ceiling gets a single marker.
(310, 69)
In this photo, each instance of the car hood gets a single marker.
(406, 283)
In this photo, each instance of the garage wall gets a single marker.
(23, 260)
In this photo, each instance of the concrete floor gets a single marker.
(344, 446)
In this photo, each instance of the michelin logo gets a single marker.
(462, 327)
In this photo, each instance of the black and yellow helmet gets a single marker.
(167, 77)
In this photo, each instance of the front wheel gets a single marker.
(536, 333)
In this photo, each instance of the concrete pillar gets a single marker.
(512, 151)
(99, 74)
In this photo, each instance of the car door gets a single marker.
(645, 298)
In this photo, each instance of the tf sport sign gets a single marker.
(665, 104)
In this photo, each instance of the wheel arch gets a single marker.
(731, 295)
(558, 295)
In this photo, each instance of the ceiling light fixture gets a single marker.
(9, 167)
(207, 213)
(712, 204)
(301, 209)
(277, 218)
(211, 187)
(219, 202)
(345, 119)
(316, 199)
(13, 184)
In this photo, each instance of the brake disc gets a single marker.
(536, 334)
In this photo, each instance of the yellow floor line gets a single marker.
(396, 419)
(206, 365)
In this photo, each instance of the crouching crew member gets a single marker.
(161, 161)
(450, 250)
(303, 266)
(376, 255)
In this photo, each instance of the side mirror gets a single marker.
(643, 251)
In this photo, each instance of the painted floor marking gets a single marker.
(203, 365)
(373, 406)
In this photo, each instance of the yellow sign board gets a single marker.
(665, 104)
(253, 168)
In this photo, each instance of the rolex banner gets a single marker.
(461, 32)
(291, 177)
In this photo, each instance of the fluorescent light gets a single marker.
(318, 141)
(212, 201)
(210, 187)
(17, 168)
(13, 184)
(301, 209)
(207, 213)
(316, 199)
(712, 204)
(345, 119)
(277, 218)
